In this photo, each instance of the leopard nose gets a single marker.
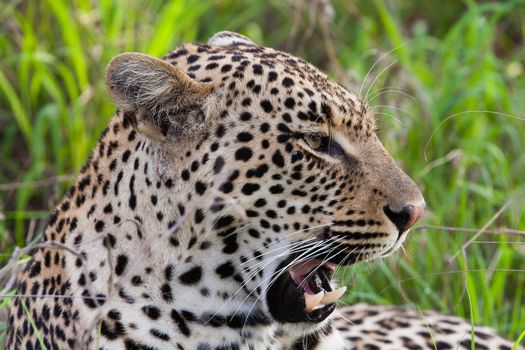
(406, 217)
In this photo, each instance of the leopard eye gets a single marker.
(323, 143)
(315, 142)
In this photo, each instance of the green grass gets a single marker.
(456, 59)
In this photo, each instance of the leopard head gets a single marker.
(273, 164)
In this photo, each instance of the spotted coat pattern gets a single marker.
(222, 160)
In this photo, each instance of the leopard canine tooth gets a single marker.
(312, 300)
(333, 296)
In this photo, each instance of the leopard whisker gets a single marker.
(242, 286)
(376, 93)
(274, 277)
(281, 270)
(299, 247)
(391, 116)
(289, 235)
(373, 66)
(378, 76)
(325, 260)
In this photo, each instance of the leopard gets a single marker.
(230, 184)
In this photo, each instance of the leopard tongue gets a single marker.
(313, 301)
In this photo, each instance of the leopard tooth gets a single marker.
(333, 296)
(312, 300)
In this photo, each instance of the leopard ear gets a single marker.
(226, 38)
(156, 92)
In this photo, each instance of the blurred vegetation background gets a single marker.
(448, 89)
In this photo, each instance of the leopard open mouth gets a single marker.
(302, 293)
